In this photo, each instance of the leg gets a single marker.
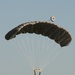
(39, 73)
(34, 72)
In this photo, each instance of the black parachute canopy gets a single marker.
(58, 34)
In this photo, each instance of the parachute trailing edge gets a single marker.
(58, 34)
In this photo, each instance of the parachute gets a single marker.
(54, 32)
(39, 50)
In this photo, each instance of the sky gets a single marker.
(15, 12)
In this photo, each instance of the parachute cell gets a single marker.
(58, 34)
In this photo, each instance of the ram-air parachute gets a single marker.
(42, 52)
(58, 34)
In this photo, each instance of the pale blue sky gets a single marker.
(15, 12)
